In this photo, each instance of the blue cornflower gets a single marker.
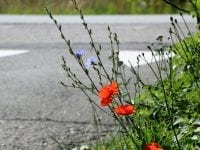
(79, 53)
(90, 61)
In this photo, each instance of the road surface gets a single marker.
(33, 105)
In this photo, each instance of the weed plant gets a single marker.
(162, 116)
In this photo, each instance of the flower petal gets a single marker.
(79, 53)
(124, 110)
(152, 146)
(107, 92)
(106, 101)
(90, 61)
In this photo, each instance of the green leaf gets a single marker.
(178, 121)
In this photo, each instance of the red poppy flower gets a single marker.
(125, 110)
(107, 92)
(152, 146)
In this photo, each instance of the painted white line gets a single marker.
(8, 52)
(130, 56)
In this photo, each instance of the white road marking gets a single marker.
(130, 56)
(9, 52)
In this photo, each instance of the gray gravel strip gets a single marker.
(23, 135)
(93, 19)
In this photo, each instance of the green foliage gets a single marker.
(168, 111)
(182, 92)
(184, 105)
(89, 7)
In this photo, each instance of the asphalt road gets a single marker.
(33, 104)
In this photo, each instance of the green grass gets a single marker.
(88, 6)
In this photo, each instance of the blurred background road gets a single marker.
(33, 104)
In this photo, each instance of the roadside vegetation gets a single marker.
(168, 112)
(89, 7)
(162, 116)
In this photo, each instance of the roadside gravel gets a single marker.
(23, 134)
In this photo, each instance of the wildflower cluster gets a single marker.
(106, 94)
(160, 121)
(90, 61)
